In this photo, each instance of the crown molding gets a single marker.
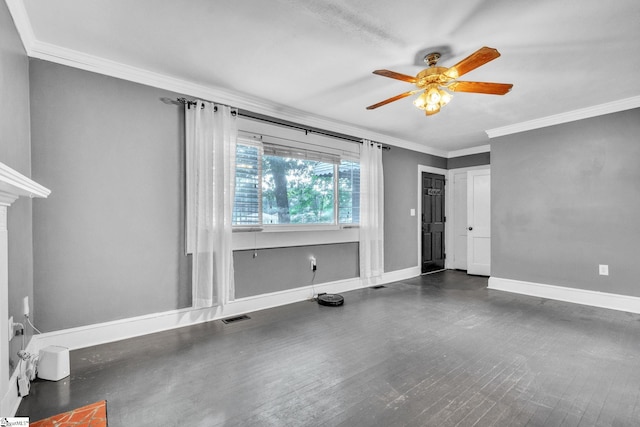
(80, 60)
(570, 116)
(468, 151)
(53, 53)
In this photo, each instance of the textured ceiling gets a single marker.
(316, 57)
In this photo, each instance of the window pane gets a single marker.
(246, 207)
(349, 192)
(297, 191)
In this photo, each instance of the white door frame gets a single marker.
(447, 225)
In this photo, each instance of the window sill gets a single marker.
(288, 236)
(298, 228)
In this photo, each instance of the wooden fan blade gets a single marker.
(480, 87)
(394, 75)
(395, 98)
(473, 61)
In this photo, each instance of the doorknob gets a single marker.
(470, 228)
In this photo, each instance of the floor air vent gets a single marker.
(378, 287)
(235, 319)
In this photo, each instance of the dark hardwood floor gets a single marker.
(438, 350)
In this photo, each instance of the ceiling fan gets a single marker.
(435, 82)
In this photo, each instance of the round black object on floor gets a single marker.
(332, 300)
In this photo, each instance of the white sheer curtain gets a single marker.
(371, 213)
(211, 132)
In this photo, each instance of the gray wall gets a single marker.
(108, 241)
(400, 196)
(279, 269)
(565, 199)
(287, 267)
(15, 152)
(478, 159)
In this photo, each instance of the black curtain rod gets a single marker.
(190, 103)
(266, 119)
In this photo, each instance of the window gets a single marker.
(285, 186)
(349, 192)
(296, 191)
(246, 206)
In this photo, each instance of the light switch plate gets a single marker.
(603, 269)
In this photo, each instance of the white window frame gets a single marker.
(250, 139)
(253, 141)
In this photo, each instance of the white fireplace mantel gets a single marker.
(12, 186)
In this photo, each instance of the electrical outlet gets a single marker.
(603, 269)
(25, 306)
(312, 262)
(10, 328)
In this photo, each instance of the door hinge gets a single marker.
(445, 256)
(445, 219)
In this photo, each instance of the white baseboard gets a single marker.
(398, 275)
(578, 296)
(275, 299)
(11, 400)
(101, 333)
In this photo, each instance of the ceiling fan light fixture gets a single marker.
(445, 97)
(433, 95)
(432, 99)
(451, 73)
(432, 109)
(433, 80)
(421, 101)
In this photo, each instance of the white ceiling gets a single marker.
(314, 58)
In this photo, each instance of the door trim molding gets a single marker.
(619, 302)
(447, 224)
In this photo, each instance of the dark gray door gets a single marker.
(432, 222)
